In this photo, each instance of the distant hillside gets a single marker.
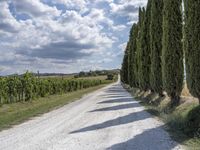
(80, 74)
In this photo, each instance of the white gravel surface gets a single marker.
(108, 119)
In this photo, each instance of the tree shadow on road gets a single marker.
(118, 107)
(115, 96)
(152, 139)
(117, 100)
(117, 93)
(115, 89)
(132, 117)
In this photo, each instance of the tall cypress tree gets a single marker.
(172, 51)
(129, 61)
(192, 46)
(138, 51)
(144, 56)
(135, 66)
(132, 52)
(156, 45)
(124, 69)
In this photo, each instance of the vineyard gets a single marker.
(28, 87)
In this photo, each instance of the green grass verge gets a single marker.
(180, 121)
(12, 114)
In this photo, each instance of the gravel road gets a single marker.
(108, 119)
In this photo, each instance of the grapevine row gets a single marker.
(28, 87)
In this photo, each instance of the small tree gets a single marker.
(172, 51)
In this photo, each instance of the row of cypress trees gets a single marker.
(159, 43)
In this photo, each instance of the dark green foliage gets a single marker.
(138, 45)
(3, 89)
(144, 50)
(141, 17)
(192, 46)
(192, 127)
(172, 52)
(27, 87)
(110, 77)
(131, 56)
(156, 45)
(96, 73)
(124, 69)
(130, 64)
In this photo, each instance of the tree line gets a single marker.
(27, 87)
(164, 40)
(96, 73)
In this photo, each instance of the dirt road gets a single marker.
(108, 119)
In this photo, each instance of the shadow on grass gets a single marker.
(139, 95)
(153, 111)
(158, 100)
(184, 130)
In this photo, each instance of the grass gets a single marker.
(12, 114)
(182, 122)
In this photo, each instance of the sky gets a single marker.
(64, 36)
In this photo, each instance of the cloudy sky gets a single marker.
(64, 36)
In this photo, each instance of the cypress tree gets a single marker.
(192, 46)
(172, 51)
(130, 64)
(139, 49)
(137, 56)
(144, 46)
(129, 61)
(124, 69)
(141, 17)
(135, 65)
(156, 45)
(132, 52)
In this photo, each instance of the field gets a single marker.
(15, 109)
(28, 87)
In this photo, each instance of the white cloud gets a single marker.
(119, 27)
(8, 22)
(71, 36)
(127, 8)
(35, 8)
(59, 41)
(79, 5)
